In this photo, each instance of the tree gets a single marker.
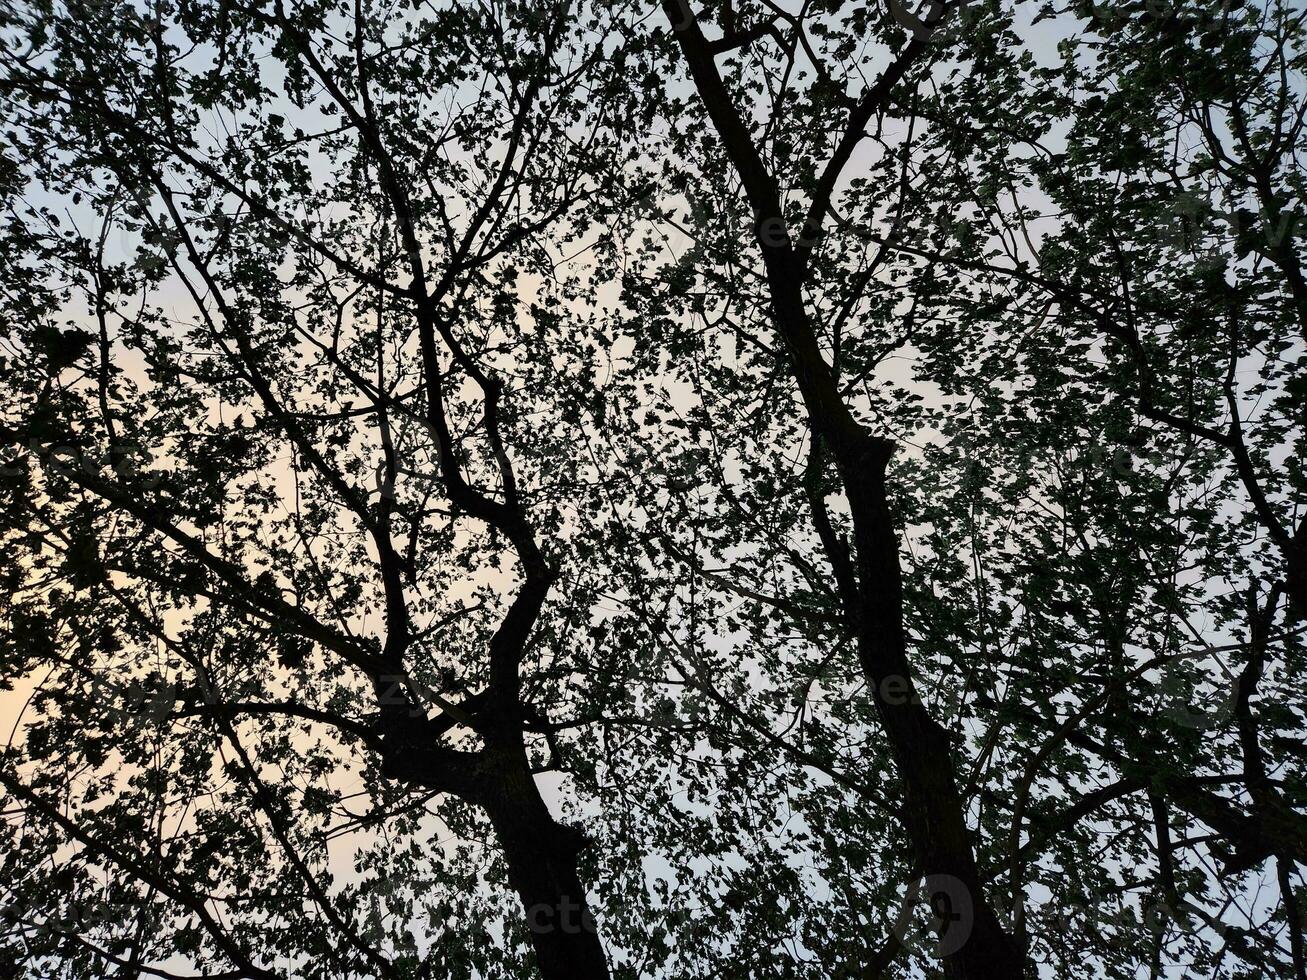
(868, 574)
(318, 347)
(595, 490)
(994, 306)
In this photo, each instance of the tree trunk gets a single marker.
(541, 853)
(542, 868)
(934, 818)
(973, 942)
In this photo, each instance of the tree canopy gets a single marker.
(652, 490)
